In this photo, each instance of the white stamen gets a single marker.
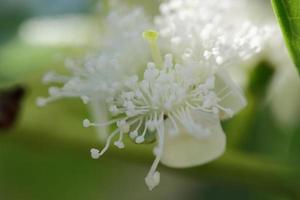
(153, 177)
(133, 134)
(140, 139)
(95, 153)
(86, 123)
(119, 144)
(41, 101)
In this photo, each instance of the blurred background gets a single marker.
(44, 153)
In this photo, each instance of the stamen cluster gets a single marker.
(177, 101)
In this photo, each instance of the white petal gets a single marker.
(234, 99)
(185, 150)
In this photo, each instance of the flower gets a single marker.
(93, 76)
(177, 103)
(180, 104)
(178, 100)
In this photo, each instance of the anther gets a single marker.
(119, 144)
(41, 101)
(86, 123)
(95, 153)
(133, 134)
(140, 139)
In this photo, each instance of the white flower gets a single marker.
(178, 105)
(180, 99)
(93, 77)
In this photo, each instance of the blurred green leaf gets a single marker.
(295, 144)
(288, 14)
(260, 79)
(19, 60)
(250, 130)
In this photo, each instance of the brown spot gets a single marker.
(165, 116)
(10, 103)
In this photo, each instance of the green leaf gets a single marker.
(288, 15)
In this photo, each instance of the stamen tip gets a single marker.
(139, 139)
(152, 180)
(41, 101)
(133, 134)
(86, 123)
(119, 144)
(95, 153)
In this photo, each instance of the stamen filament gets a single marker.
(153, 177)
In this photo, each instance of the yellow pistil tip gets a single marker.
(150, 35)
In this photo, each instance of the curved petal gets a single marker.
(187, 150)
(231, 95)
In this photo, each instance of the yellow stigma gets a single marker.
(151, 36)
